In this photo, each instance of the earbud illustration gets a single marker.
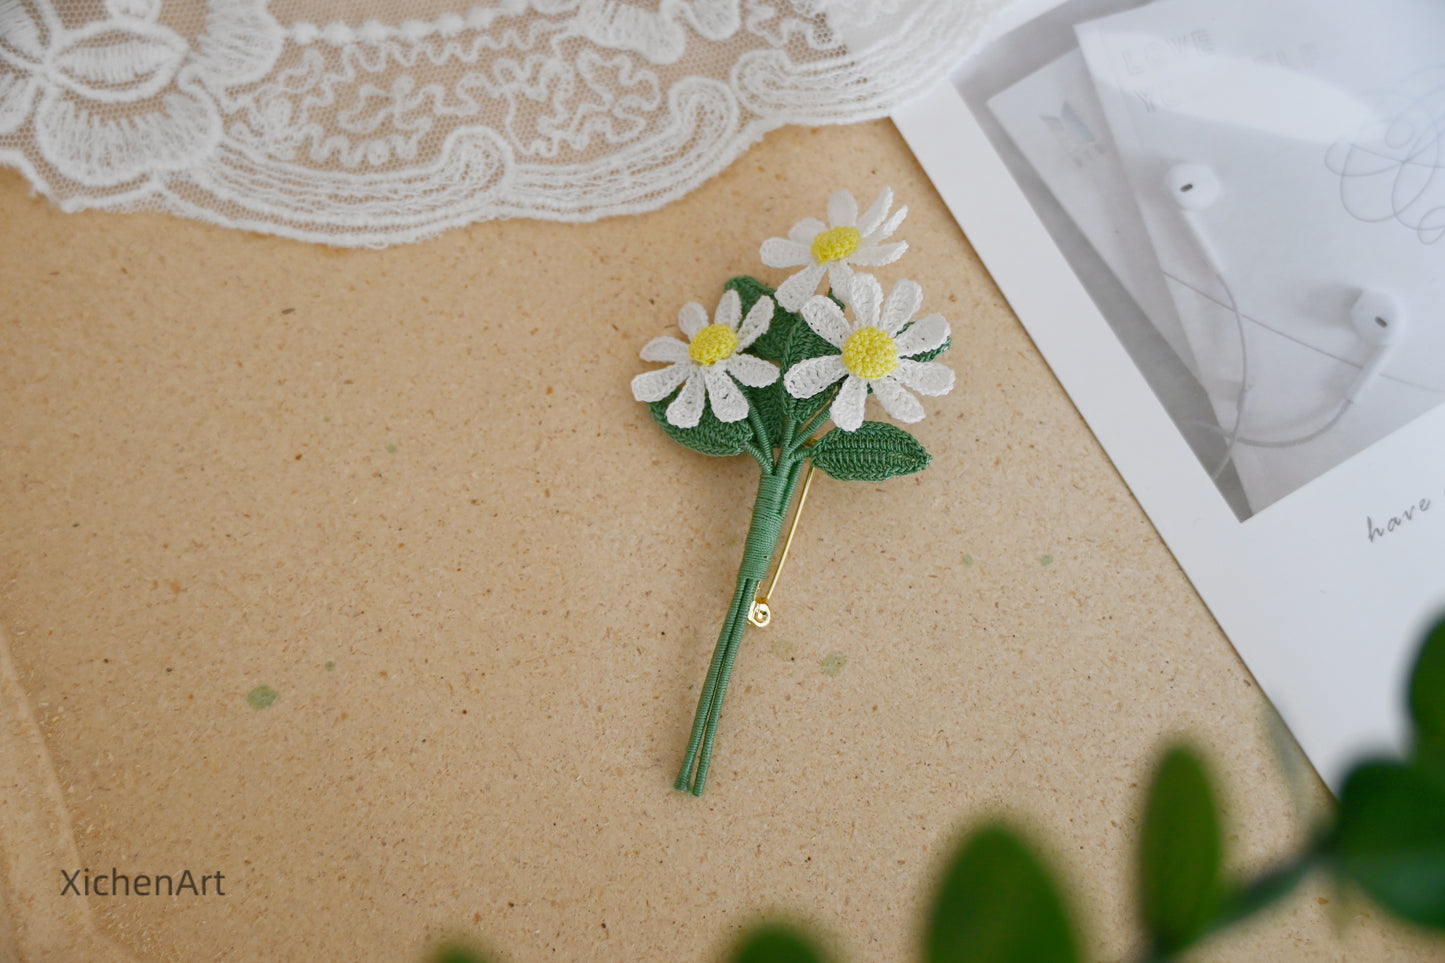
(1195, 188)
(1380, 321)
(1378, 317)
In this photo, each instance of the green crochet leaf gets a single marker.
(770, 402)
(803, 344)
(770, 346)
(711, 437)
(872, 453)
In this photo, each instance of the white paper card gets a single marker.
(1319, 559)
(1320, 123)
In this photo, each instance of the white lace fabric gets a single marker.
(338, 123)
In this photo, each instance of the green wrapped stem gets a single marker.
(775, 492)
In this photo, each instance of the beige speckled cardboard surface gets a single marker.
(409, 491)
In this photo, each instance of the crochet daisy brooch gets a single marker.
(766, 375)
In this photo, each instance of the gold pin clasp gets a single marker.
(760, 614)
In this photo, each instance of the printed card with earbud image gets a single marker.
(1223, 224)
(1057, 122)
(1281, 156)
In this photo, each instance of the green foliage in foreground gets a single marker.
(999, 902)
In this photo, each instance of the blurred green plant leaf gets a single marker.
(1257, 895)
(876, 451)
(458, 953)
(1390, 839)
(776, 943)
(997, 903)
(1427, 700)
(1179, 853)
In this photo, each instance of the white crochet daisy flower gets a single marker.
(835, 248)
(711, 361)
(875, 351)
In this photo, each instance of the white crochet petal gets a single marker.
(840, 275)
(729, 310)
(925, 377)
(656, 385)
(665, 349)
(865, 297)
(686, 409)
(902, 304)
(842, 210)
(827, 321)
(811, 375)
(692, 319)
(755, 325)
(890, 225)
(925, 334)
(750, 370)
(727, 399)
(780, 252)
(847, 410)
(898, 403)
(875, 214)
(797, 289)
(805, 230)
(879, 254)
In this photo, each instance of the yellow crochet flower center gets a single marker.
(870, 354)
(713, 343)
(836, 244)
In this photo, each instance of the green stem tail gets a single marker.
(775, 494)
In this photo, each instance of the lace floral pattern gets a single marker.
(278, 118)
